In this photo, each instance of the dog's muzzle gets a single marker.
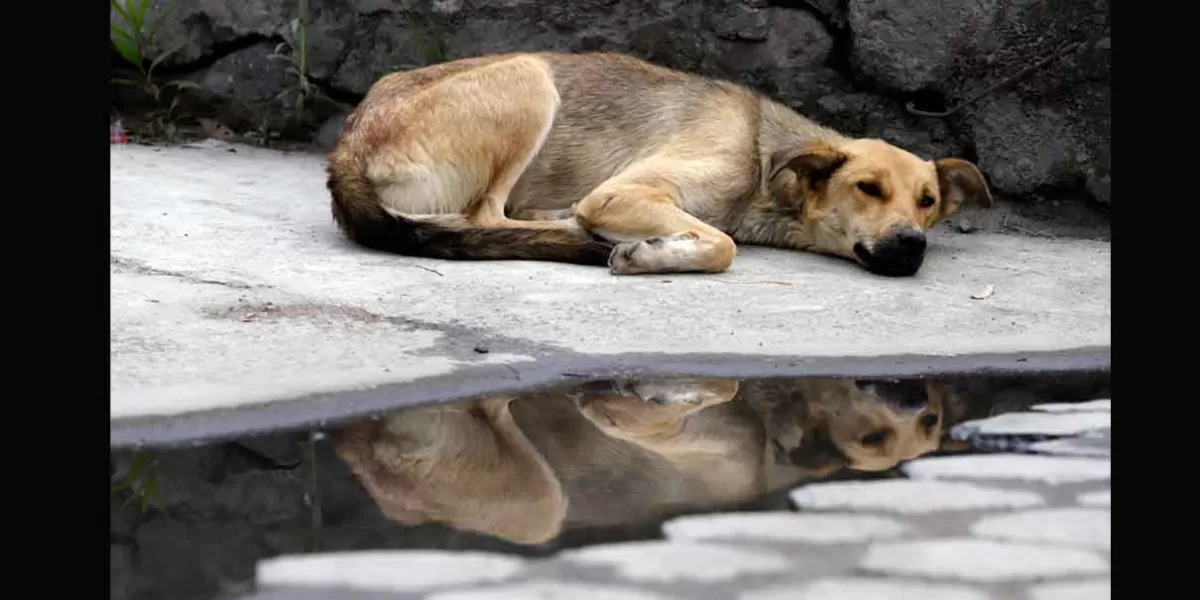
(899, 253)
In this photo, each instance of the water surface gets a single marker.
(534, 473)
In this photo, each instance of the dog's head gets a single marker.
(871, 202)
(864, 425)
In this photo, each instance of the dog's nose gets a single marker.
(911, 240)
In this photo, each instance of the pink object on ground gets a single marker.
(116, 133)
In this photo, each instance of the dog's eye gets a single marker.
(869, 189)
(873, 439)
(927, 201)
(928, 421)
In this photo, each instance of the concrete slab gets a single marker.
(233, 296)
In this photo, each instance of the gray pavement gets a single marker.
(1010, 525)
(236, 307)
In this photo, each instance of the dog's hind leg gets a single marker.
(469, 466)
(438, 166)
(467, 141)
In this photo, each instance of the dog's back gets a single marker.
(616, 110)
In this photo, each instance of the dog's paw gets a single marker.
(663, 254)
(681, 391)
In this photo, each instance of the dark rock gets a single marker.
(804, 88)
(262, 497)
(741, 22)
(1067, 100)
(833, 11)
(194, 27)
(213, 552)
(1022, 146)
(446, 7)
(1050, 128)
(284, 451)
(793, 45)
(377, 47)
(909, 46)
(327, 135)
(247, 83)
(488, 36)
(867, 115)
(674, 42)
(120, 572)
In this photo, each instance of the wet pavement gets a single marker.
(948, 487)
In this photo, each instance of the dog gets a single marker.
(621, 453)
(606, 159)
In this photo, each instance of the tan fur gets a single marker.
(673, 168)
(624, 453)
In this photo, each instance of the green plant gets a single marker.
(134, 41)
(139, 480)
(294, 50)
(433, 48)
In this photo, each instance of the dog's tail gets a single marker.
(359, 215)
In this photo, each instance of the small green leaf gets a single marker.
(141, 11)
(163, 18)
(128, 51)
(162, 57)
(118, 6)
(117, 30)
(138, 463)
(128, 82)
(182, 84)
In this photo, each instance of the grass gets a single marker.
(134, 39)
(305, 93)
(138, 479)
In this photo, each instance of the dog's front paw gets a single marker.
(685, 391)
(621, 260)
(663, 254)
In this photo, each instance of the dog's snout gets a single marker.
(911, 240)
(899, 253)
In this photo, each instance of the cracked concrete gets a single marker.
(236, 306)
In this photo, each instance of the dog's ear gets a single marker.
(816, 161)
(960, 182)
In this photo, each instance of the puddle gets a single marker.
(533, 474)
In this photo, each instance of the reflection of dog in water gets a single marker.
(615, 453)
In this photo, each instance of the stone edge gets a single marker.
(324, 409)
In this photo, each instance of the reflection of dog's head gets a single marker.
(865, 425)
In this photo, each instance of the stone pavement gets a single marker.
(1031, 522)
(237, 306)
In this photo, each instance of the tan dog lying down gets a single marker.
(607, 456)
(603, 158)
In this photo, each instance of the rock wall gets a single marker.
(851, 63)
